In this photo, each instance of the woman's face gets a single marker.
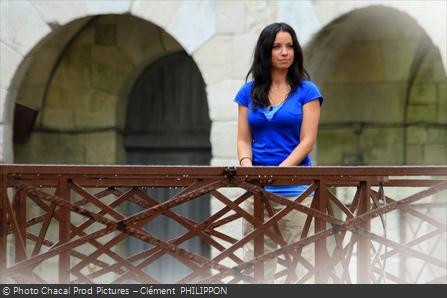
(282, 51)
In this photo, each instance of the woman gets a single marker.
(278, 115)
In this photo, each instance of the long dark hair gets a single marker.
(262, 64)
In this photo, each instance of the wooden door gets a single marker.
(168, 124)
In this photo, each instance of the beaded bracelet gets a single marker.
(246, 157)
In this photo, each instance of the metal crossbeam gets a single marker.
(76, 217)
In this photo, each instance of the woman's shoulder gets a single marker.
(305, 87)
(309, 91)
(306, 84)
(243, 95)
(247, 86)
(245, 89)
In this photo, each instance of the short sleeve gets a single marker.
(311, 92)
(243, 95)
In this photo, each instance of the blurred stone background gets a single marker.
(381, 67)
(153, 82)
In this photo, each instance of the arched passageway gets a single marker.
(167, 123)
(385, 87)
(114, 89)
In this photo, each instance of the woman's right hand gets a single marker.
(246, 162)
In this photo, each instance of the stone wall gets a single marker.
(87, 80)
(219, 35)
(82, 107)
(426, 135)
(378, 96)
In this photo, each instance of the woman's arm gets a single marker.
(244, 139)
(308, 136)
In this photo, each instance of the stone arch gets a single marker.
(31, 24)
(429, 15)
(78, 80)
(368, 59)
(96, 71)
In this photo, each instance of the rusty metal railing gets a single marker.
(70, 224)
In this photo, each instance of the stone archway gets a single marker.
(27, 27)
(386, 104)
(383, 79)
(83, 105)
(82, 109)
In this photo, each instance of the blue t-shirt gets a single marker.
(275, 139)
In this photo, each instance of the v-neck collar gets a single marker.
(283, 103)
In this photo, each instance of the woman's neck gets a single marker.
(279, 78)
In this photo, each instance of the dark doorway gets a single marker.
(167, 123)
